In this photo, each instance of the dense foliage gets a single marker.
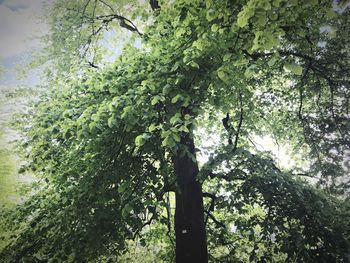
(102, 139)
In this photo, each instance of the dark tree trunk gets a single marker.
(191, 243)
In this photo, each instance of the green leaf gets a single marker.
(276, 3)
(175, 119)
(110, 106)
(223, 75)
(186, 102)
(176, 98)
(168, 141)
(250, 71)
(313, 2)
(166, 89)
(180, 32)
(111, 122)
(184, 128)
(273, 60)
(211, 15)
(155, 100)
(152, 127)
(227, 57)
(244, 16)
(214, 28)
(331, 13)
(294, 68)
(194, 65)
(92, 126)
(126, 111)
(198, 44)
(265, 4)
(66, 113)
(127, 209)
(123, 187)
(139, 140)
(176, 137)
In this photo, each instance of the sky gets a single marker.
(21, 26)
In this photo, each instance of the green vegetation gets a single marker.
(8, 169)
(8, 166)
(116, 145)
(7, 183)
(7, 172)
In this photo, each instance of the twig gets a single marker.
(218, 223)
(110, 7)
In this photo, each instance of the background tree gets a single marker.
(109, 141)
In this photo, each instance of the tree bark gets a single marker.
(191, 243)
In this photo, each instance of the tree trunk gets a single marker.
(191, 243)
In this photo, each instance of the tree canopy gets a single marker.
(109, 138)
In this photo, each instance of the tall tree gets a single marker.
(109, 141)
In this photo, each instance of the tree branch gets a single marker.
(212, 205)
(240, 121)
(92, 65)
(154, 216)
(154, 4)
(301, 92)
(123, 21)
(109, 6)
(218, 223)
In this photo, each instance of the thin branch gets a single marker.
(212, 205)
(218, 223)
(314, 64)
(82, 15)
(123, 21)
(230, 176)
(149, 222)
(305, 175)
(301, 91)
(240, 121)
(109, 6)
(169, 188)
(92, 65)
(212, 196)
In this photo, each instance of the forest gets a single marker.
(183, 131)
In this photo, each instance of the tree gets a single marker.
(109, 142)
